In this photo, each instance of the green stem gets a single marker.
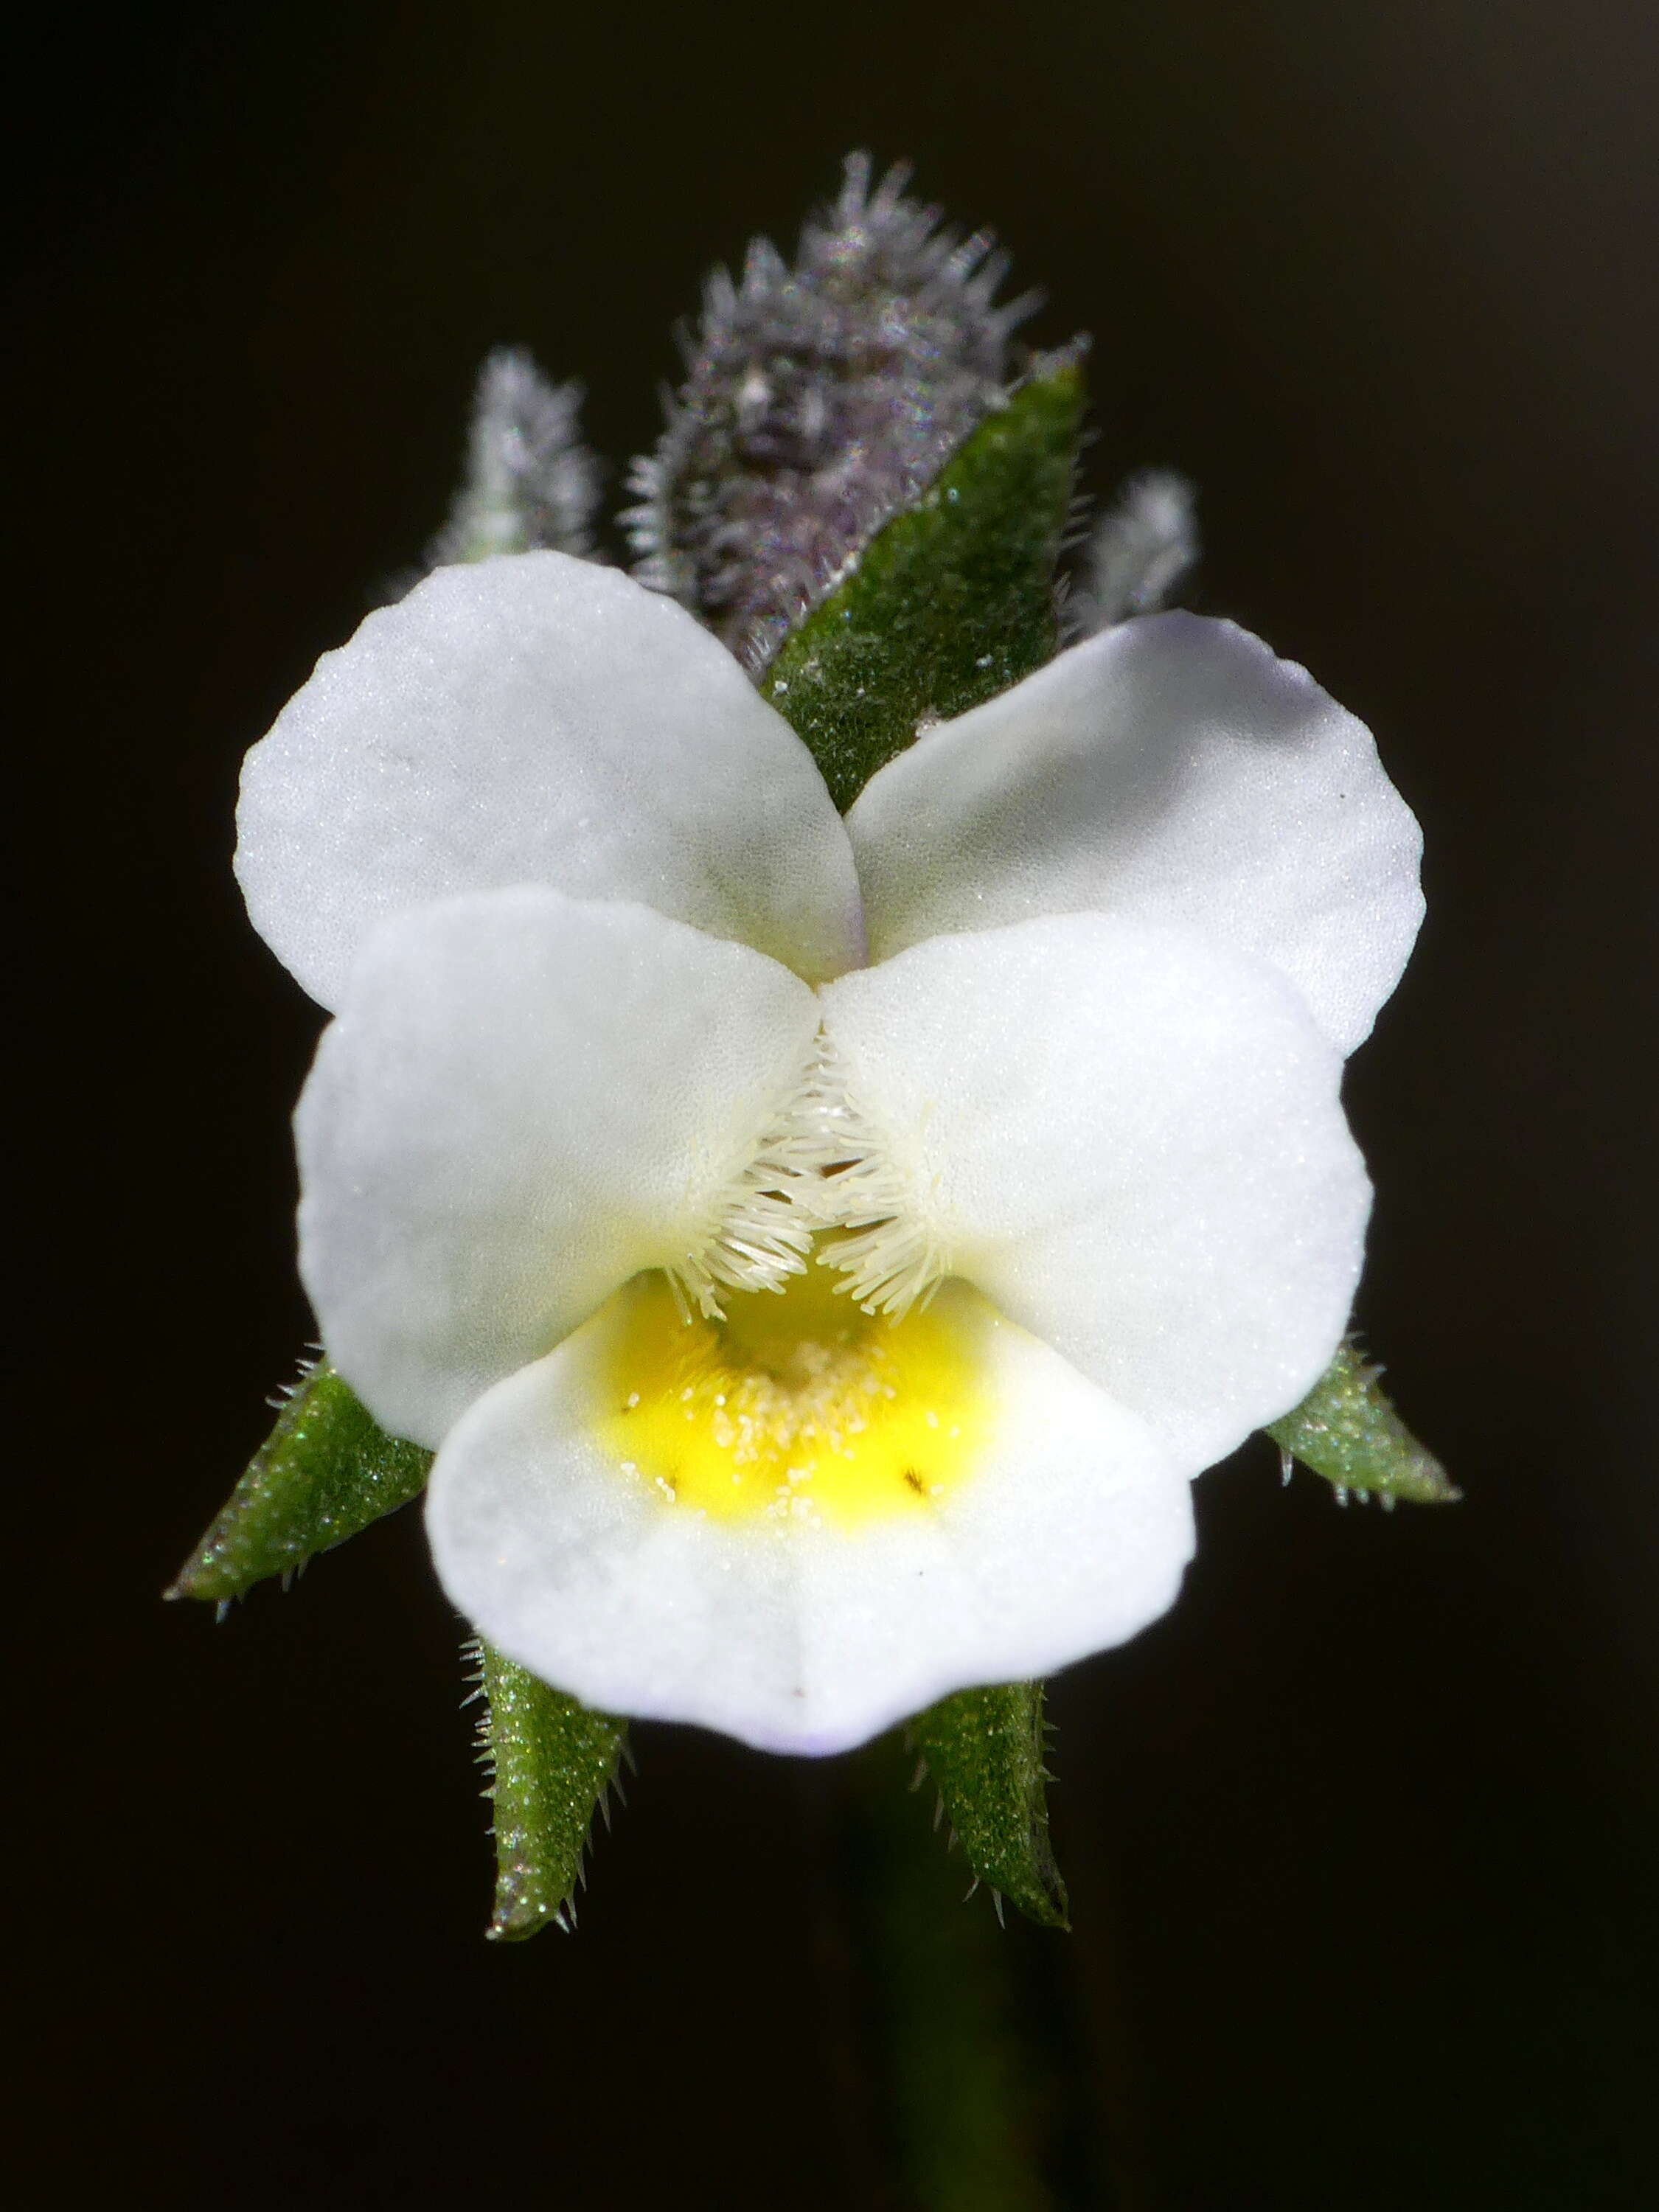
(955, 2042)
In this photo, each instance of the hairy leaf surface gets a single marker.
(984, 1750)
(326, 1470)
(950, 604)
(552, 1766)
(1347, 1430)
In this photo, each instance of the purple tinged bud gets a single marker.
(818, 403)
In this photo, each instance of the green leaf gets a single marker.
(951, 602)
(984, 1748)
(325, 1471)
(552, 1766)
(1346, 1430)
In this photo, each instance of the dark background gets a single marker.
(1362, 1838)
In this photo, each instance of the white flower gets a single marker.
(1039, 1050)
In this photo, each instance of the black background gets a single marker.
(1362, 1838)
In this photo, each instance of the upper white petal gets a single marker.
(1130, 1138)
(1170, 769)
(1069, 1536)
(537, 719)
(526, 1099)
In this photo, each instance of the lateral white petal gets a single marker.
(1130, 1138)
(537, 719)
(526, 1099)
(1171, 769)
(1069, 1536)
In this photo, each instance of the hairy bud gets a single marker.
(1139, 551)
(530, 480)
(820, 401)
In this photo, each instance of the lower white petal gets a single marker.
(1053, 1526)
(1131, 1138)
(526, 1099)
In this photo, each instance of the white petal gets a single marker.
(1069, 1535)
(1130, 1138)
(526, 1099)
(1170, 771)
(536, 718)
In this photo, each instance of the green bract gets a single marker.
(984, 1750)
(949, 605)
(552, 1764)
(325, 1471)
(1346, 1430)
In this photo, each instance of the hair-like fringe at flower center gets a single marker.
(823, 1168)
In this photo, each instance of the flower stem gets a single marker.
(956, 2043)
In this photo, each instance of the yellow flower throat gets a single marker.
(797, 1404)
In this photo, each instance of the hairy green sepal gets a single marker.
(984, 1750)
(951, 602)
(1346, 1430)
(552, 1764)
(326, 1470)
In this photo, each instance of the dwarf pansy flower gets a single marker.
(820, 1252)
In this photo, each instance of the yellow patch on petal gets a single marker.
(798, 1405)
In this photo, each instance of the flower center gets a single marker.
(824, 1164)
(801, 1406)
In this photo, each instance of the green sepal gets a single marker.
(1346, 1430)
(552, 1766)
(951, 602)
(326, 1470)
(985, 1749)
